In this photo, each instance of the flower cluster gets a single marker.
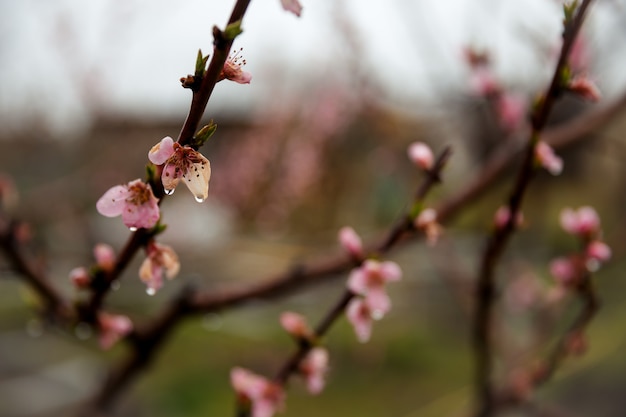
(510, 107)
(314, 366)
(263, 397)
(583, 223)
(371, 301)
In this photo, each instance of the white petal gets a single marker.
(197, 179)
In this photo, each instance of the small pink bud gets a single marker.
(548, 159)
(105, 257)
(503, 216)
(421, 155)
(427, 222)
(80, 277)
(351, 242)
(295, 324)
(266, 397)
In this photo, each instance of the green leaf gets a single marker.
(233, 30)
(204, 134)
(201, 64)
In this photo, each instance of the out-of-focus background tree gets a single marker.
(316, 141)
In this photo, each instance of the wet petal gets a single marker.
(197, 178)
(141, 216)
(170, 177)
(112, 203)
(161, 151)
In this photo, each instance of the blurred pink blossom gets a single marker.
(548, 159)
(314, 368)
(105, 257)
(583, 222)
(511, 109)
(359, 315)
(113, 328)
(421, 155)
(296, 325)
(80, 277)
(370, 279)
(182, 162)
(599, 251)
(159, 259)
(266, 398)
(503, 216)
(564, 270)
(427, 222)
(351, 242)
(134, 201)
(584, 87)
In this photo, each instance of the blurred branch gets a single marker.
(485, 286)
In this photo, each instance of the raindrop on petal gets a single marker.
(132, 229)
(170, 191)
(199, 199)
(150, 291)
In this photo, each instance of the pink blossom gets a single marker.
(265, 397)
(583, 222)
(134, 201)
(511, 110)
(232, 69)
(359, 315)
(548, 159)
(113, 328)
(314, 368)
(296, 325)
(80, 277)
(483, 82)
(292, 6)
(585, 88)
(564, 270)
(159, 259)
(427, 222)
(182, 162)
(105, 257)
(503, 216)
(351, 242)
(599, 251)
(369, 281)
(421, 155)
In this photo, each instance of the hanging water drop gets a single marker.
(377, 314)
(132, 229)
(150, 291)
(199, 199)
(170, 191)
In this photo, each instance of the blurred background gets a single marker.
(315, 142)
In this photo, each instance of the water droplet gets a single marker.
(132, 229)
(83, 331)
(170, 191)
(593, 265)
(150, 291)
(34, 328)
(199, 199)
(212, 322)
(377, 314)
(115, 285)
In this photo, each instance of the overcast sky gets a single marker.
(127, 55)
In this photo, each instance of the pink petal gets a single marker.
(359, 316)
(421, 155)
(141, 216)
(351, 241)
(292, 6)
(161, 151)
(390, 271)
(357, 281)
(112, 203)
(378, 302)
